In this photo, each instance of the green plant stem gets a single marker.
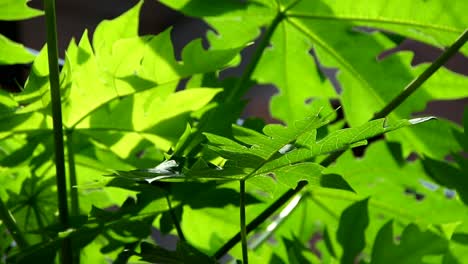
(262, 217)
(9, 221)
(418, 81)
(126, 253)
(52, 49)
(410, 88)
(176, 222)
(39, 221)
(242, 85)
(243, 232)
(74, 198)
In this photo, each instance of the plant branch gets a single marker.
(74, 198)
(10, 223)
(262, 217)
(126, 253)
(52, 49)
(243, 232)
(418, 81)
(241, 86)
(176, 222)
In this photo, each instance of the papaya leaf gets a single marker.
(282, 153)
(13, 53)
(298, 253)
(35, 206)
(430, 28)
(184, 253)
(351, 231)
(334, 31)
(407, 187)
(99, 85)
(17, 10)
(412, 246)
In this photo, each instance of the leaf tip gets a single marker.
(418, 120)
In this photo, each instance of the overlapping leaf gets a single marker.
(11, 52)
(415, 19)
(413, 245)
(97, 98)
(119, 101)
(398, 189)
(284, 154)
(331, 28)
(16, 10)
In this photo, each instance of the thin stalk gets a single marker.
(243, 232)
(9, 221)
(241, 86)
(74, 198)
(125, 254)
(262, 217)
(258, 239)
(410, 88)
(176, 222)
(418, 81)
(52, 49)
(40, 223)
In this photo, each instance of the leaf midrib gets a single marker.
(375, 20)
(306, 129)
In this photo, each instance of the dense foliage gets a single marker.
(150, 155)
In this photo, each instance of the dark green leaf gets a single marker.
(351, 231)
(184, 253)
(410, 247)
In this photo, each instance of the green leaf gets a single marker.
(362, 76)
(13, 53)
(298, 253)
(345, 138)
(331, 28)
(159, 118)
(184, 253)
(429, 26)
(413, 245)
(109, 32)
(448, 175)
(351, 231)
(17, 10)
(235, 23)
(279, 154)
(289, 52)
(35, 206)
(398, 189)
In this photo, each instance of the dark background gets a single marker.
(75, 16)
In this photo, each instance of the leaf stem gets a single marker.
(243, 232)
(262, 217)
(52, 49)
(418, 81)
(74, 197)
(9, 221)
(241, 86)
(176, 222)
(126, 253)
